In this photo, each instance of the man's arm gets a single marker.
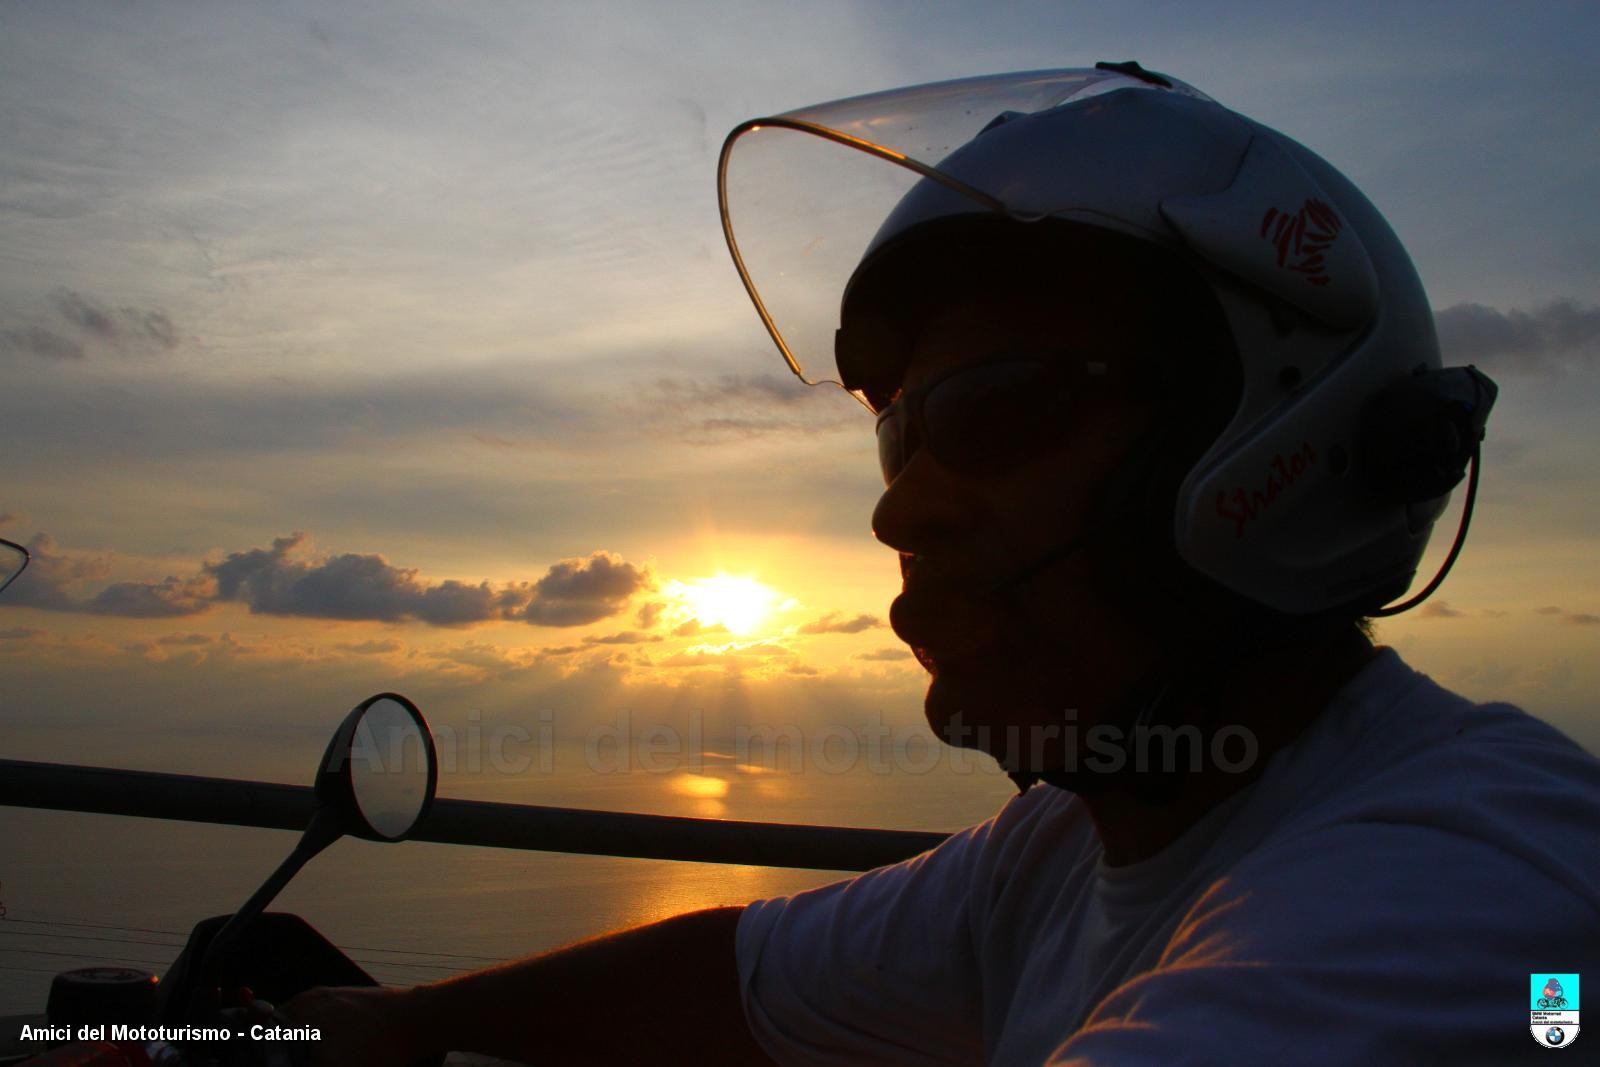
(663, 993)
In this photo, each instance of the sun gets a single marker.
(741, 604)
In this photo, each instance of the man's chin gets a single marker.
(969, 714)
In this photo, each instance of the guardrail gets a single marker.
(190, 798)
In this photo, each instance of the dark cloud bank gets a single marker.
(81, 322)
(1550, 337)
(286, 580)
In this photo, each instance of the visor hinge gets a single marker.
(1132, 69)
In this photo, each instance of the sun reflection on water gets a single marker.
(702, 786)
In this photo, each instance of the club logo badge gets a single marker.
(1553, 1009)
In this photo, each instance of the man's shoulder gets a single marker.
(1041, 827)
(1411, 775)
(1394, 737)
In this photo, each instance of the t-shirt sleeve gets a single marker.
(875, 969)
(1419, 951)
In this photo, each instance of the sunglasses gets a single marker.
(982, 418)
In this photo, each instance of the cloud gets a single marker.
(371, 648)
(85, 314)
(170, 598)
(1438, 609)
(40, 342)
(738, 406)
(626, 637)
(81, 320)
(1551, 337)
(122, 327)
(650, 614)
(883, 654)
(834, 623)
(164, 417)
(184, 639)
(483, 659)
(19, 633)
(579, 591)
(1574, 618)
(285, 580)
(51, 579)
(760, 648)
(694, 627)
(734, 655)
(273, 581)
(701, 657)
(760, 389)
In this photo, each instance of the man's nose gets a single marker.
(922, 508)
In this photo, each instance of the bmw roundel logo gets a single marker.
(1555, 1035)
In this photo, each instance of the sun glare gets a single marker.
(740, 604)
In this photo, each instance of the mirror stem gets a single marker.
(322, 832)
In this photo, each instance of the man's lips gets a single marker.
(946, 624)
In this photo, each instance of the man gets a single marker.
(1162, 421)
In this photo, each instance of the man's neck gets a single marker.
(1274, 695)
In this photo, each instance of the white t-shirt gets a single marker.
(1380, 895)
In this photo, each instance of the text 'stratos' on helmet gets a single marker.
(1330, 434)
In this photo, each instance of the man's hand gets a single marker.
(359, 1026)
(666, 993)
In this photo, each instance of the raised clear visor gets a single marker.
(803, 193)
(13, 559)
(806, 208)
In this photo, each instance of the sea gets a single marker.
(82, 890)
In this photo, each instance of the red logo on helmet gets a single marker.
(1302, 237)
(1245, 505)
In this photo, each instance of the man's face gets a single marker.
(1052, 648)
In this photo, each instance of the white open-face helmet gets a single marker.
(1344, 438)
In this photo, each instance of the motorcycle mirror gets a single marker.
(380, 771)
(13, 561)
(376, 780)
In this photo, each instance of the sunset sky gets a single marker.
(387, 346)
